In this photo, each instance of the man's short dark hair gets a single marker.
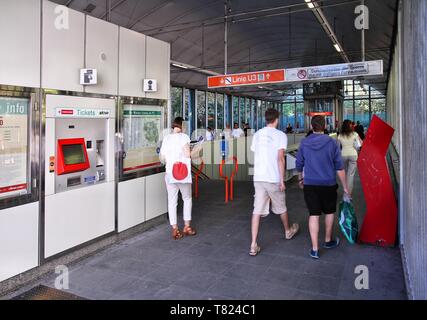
(271, 115)
(177, 123)
(318, 123)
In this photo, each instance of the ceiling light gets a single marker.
(310, 4)
(179, 66)
(318, 13)
(337, 47)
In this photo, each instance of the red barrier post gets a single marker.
(196, 180)
(221, 174)
(233, 173)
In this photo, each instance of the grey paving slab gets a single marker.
(319, 285)
(175, 292)
(293, 264)
(305, 295)
(140, 290)
(201, 281)
(281, 277)
(209, 296)
(325, 269)
(270, 291)
(246, 272)
(264, 260)
(231, 287)
(382, 285)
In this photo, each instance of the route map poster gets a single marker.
(13, 146)
(142, 128)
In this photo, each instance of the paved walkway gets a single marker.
(215, 264)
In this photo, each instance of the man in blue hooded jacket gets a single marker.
(318, 163)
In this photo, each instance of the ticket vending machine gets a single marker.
(79, 171)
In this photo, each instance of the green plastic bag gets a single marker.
(348, 220)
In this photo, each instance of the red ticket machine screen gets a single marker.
(72, 156)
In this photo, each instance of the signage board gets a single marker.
(245, 79)
(88, 77)
(335, 71)
(82, 113)
(13, 146)
(316, 73)
(142, 131)
(150, 85)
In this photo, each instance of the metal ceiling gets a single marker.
(262, 35)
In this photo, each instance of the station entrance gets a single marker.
(83, 183)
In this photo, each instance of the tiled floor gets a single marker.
(215, 264)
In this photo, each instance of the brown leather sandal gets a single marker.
(176, 234)
(189, 231)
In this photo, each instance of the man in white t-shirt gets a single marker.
(209, 134)
(227, 132)
(237, 132)
(269, 146)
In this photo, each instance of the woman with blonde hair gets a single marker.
(350, 143)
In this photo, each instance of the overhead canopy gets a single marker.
(262, 35)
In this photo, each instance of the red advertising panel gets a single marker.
(380, 223)
(72, 156)
(245, 79)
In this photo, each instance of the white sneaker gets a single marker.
(292, 231)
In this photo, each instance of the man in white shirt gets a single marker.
(209, 134)
(269, 146)
(227, 132)
(237, 132)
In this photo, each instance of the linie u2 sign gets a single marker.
(245, 79)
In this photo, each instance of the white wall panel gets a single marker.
(131, 63)
(18, 240)
(131, 203)
(20, 38)
(62, 49)
(77, 216)
(157, 67)
(155, 196)
(102, 41)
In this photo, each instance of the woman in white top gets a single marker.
(349, 140)
(175, 148)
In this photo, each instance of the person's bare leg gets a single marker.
(255, 228)
(329, 223)
(285, 220)
(313, 224)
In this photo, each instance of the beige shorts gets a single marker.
(266, 192)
